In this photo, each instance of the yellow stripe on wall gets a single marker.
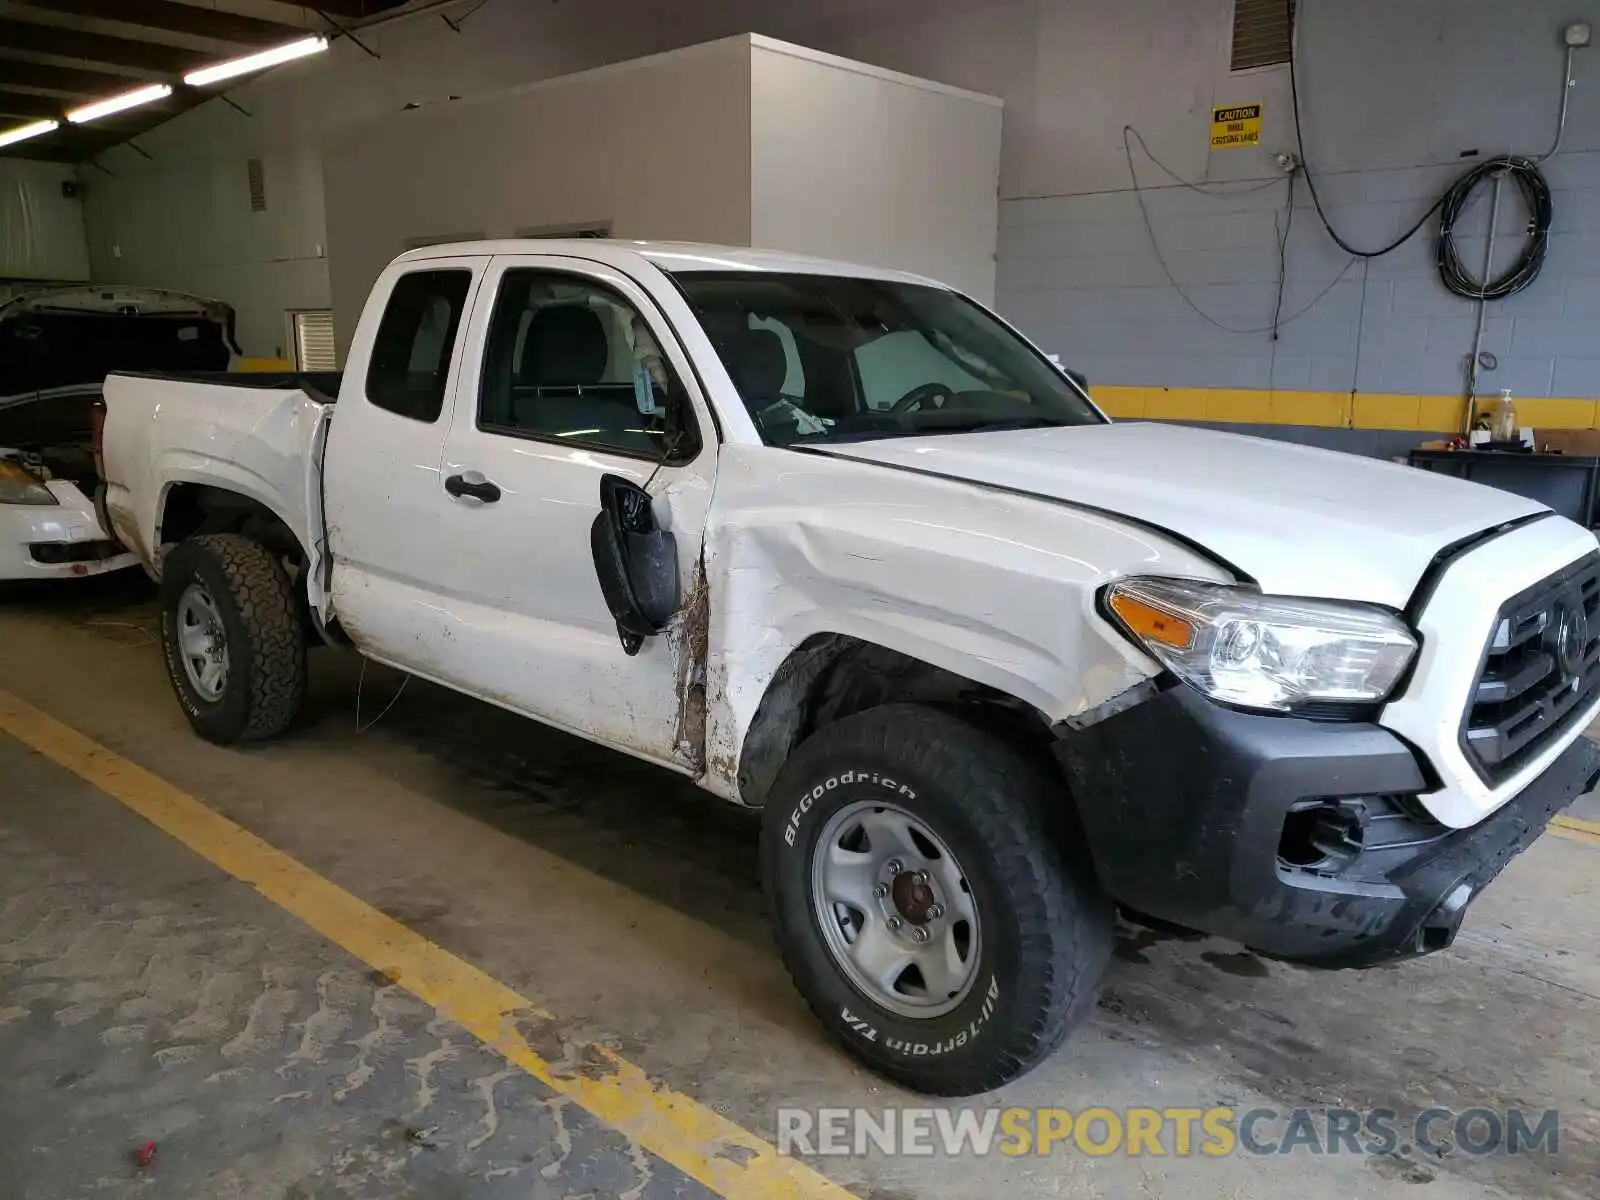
(1329, 410)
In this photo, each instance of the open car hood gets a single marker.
(68, 337)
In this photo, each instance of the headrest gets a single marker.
(566, 346)
(757, 361)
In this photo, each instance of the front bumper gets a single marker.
(1198, 816)
(64, 541)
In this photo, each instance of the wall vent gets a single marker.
(313, 340)
(1263, 33)
(258, 185)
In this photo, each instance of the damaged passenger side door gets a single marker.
(576, 394)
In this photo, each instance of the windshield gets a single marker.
(818, 358)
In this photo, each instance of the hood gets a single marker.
(77, 336)
(1300, 521)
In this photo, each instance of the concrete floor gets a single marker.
(145, 995)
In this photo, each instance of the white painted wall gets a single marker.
(866, 165)
(41, 231)
(183, 220)
(655, 148)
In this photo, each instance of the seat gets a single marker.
(559, 385)
(566, 346)
(757, 362)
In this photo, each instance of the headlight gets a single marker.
(1264, 652)
(18, 485)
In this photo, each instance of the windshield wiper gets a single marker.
(872, 433)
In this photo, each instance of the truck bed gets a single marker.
(321, 386)
(257, 434)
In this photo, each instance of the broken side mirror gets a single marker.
(1079, 378)
(635, 560)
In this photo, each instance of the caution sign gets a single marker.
(1236, 125)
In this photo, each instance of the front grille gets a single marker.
(1541, 671)
(56, 554)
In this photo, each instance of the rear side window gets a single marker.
(416, 339)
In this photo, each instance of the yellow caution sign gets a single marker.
(1235, 125)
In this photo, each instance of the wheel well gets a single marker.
(832, 676)
(192, 509)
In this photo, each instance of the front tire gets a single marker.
(922, 906)
(234, 647)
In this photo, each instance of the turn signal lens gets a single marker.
(1150, 623)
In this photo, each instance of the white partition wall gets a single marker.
(855, 162)
(654, 148)
(744, 141)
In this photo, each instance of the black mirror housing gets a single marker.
(635, 561)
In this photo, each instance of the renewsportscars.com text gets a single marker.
(1164, 1132)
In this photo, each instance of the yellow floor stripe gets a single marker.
(1577, 830)
(710, 1149)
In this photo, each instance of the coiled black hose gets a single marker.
(1535, 194)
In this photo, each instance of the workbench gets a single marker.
(1568, 483)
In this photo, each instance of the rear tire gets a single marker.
(973, 816)
(234, 646)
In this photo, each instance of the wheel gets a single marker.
(920, 904)
(235, 648)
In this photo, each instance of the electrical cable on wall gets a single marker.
(1528, 264)
(1449, 206)
(1283, 224)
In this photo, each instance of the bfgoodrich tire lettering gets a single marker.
(266, 645)
(1046, 929)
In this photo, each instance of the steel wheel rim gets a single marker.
(202, 644)
(895, 910)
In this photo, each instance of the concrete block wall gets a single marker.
(1394, 99)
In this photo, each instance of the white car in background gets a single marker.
(56, 348)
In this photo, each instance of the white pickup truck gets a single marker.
(840, 545)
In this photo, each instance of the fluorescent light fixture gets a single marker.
(256, 62)
(22, 133)
(104, 108)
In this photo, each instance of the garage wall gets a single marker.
(41, 231)
(1397, 100)
(1394, 94)
(183, 219)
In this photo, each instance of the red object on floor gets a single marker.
(145, 1155)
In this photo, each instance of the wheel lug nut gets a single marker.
(921, 877)
(894, 924)
(881, 890)
(893, 866)
(935, 911)
(919, 934)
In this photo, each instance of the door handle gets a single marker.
(478, 488)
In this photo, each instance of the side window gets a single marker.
(570, 360)
(415, 340)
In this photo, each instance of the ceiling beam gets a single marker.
(177, 18)
(27, 106)
(25, 37)
(353, 10)
(71, 80)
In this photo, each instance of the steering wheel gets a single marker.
(920, 395)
